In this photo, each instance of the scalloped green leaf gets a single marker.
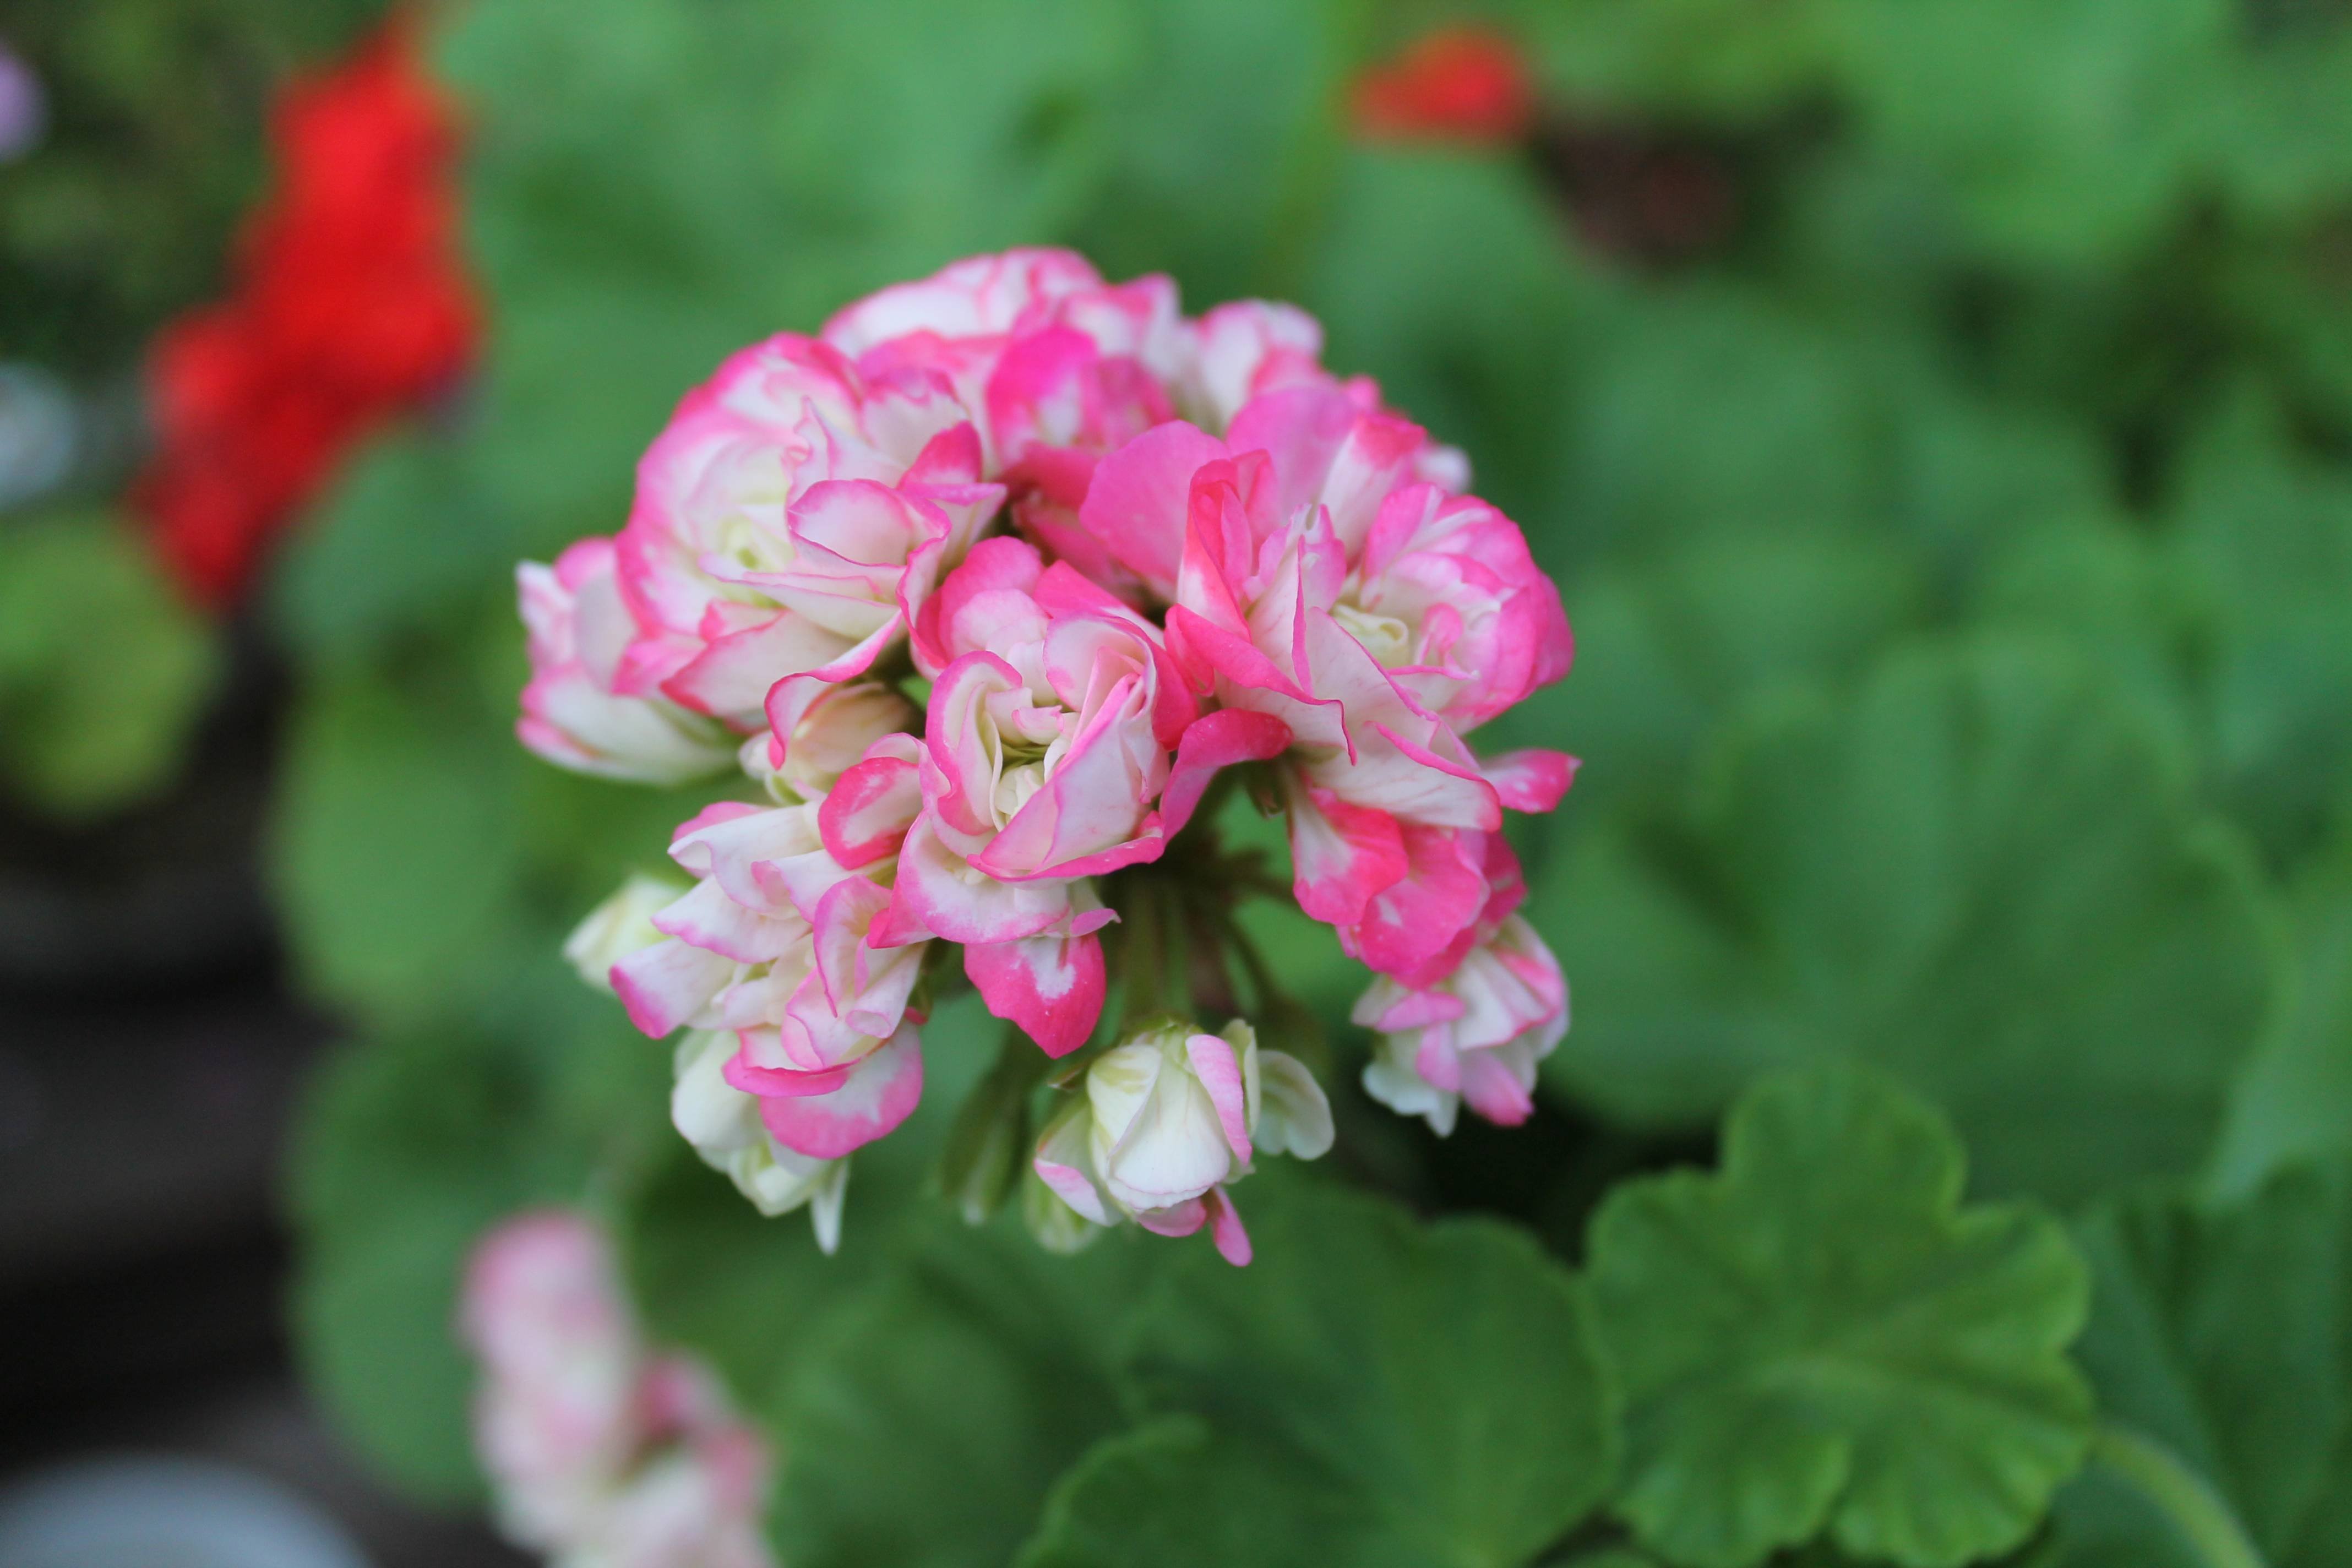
(2221, 1346)
(925, 1429)
(1373, 1390)
(1819, 1337)
(1983, 870)
(1176, 1493)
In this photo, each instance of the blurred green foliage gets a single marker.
(1957, 530)
(104, 670)
(157, 112)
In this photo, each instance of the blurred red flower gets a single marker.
(1457, 84)
(350, 305)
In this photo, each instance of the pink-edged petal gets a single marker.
(937, 895)
(1494, 1091)
(1220, 1073)
(1437, 1062)
(1141, 499)
(999, 566)
(1176, 1219)
(964, 761)
(1052, 987)
(1443, 789)
(1532, 780)
(729, 678)
(752, 1070)
(664, 987)
(1090, 816)
(788, 700)
(867, 815)
(880, 1092)
(1074, 1187)
(1343, 856)
(705, 916)
(1392, 1008)
(1225, 1227)
(1064, 593)
(1429, 908)
(1214, 740)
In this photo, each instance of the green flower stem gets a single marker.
(2192, 1506)
(1143, 957)
(987, 1147)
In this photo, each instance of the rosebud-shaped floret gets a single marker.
(771, 944)
(789, 521)
(1045, 751)
(1360, 615)
(1446, 597)
(574, 713)
(723, 1124)
(1166, 1119)
(1474, 1035)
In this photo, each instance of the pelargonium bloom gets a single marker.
(600, 1451)
(1368, 618)
(573, 712)
(790, 520)
(993, 577)
(1168, 1118)
(1047, 745)
(770, 945)
(1478, 1035)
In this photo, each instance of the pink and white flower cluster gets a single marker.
(982, 585)
(602, 1453)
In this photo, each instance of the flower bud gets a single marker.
(618, 927)
(1167, 1118)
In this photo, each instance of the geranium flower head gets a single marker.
(995, 578)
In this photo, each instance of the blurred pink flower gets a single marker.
(597, 1450)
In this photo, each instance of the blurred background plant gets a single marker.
(1938, 414)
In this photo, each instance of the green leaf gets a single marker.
(2068, 132)
(407, 1149)
(1820, 1337)
(1719, 410)
(1174, 1494)
(1667, 650)
(1217, 144)
(2295, 1099)
(2118, 598)
(1446, 276)
(927, 1427)
(1427, 1394)
(1982, 871)
(2265, 529)
(104, 669)
(406, 538)
(2221, 1346)
(397, 840)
